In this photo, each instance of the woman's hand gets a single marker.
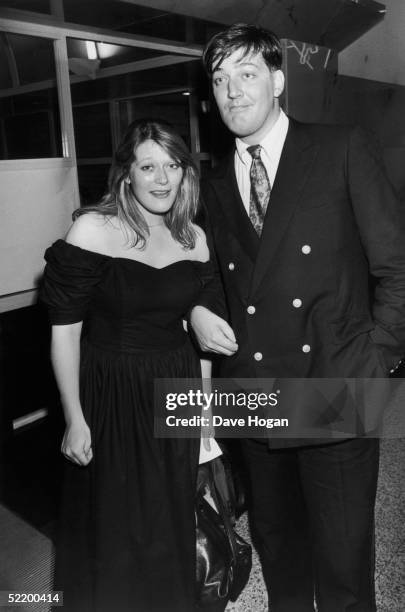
(212, 332)
(76, 443)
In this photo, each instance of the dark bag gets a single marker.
(224, 559)
(229, 483)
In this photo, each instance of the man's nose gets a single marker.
(234, 89)
(161, 176)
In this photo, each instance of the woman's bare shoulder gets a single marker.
(200, 251)
(89, 231)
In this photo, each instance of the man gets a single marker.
(299, 224)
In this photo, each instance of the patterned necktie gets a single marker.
(259, 189)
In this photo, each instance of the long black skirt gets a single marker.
(127, 528)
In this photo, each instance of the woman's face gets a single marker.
(155, 179)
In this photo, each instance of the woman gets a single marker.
(117, 290)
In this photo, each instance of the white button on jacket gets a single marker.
(251, 309)
(258, 356)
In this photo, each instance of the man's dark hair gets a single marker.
(248, 37)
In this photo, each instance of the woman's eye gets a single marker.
(218, 80)
(248, 75)
(146, 168)
(174, 166)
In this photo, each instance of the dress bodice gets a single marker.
(125, 304)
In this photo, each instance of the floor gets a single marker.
(26, 560)
(390, 539)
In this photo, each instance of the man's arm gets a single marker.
(381, 222)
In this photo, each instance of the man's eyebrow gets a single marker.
(244, 64)
(239, 64)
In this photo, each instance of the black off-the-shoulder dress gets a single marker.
(127, 532)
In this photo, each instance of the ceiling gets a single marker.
(331, 23)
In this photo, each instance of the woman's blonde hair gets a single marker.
(120, 200)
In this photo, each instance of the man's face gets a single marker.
(246, 92)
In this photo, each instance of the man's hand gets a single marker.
(213, 333)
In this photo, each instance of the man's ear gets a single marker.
(278, 83)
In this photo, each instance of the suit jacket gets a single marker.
(322, 293)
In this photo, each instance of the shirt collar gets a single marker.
(271, 142)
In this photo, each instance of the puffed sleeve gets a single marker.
(205, 271)
(70, 277)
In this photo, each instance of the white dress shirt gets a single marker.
(272, 146)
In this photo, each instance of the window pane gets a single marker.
(92, 182)
(170, 107)
(110, 88)
(29, 110)
(28, 136)
(92, 130)
(37, 6)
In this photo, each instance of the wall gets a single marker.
(379, 54)
(376, 96)
(37, 200)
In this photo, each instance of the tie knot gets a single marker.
(254, 151)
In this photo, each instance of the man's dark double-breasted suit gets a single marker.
(321, 294)
(332, 219)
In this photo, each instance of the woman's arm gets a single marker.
(65, 353)
(208, 315)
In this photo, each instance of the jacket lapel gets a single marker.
(296, 161)
(226, 188)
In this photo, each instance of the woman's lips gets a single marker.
(161, 194)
